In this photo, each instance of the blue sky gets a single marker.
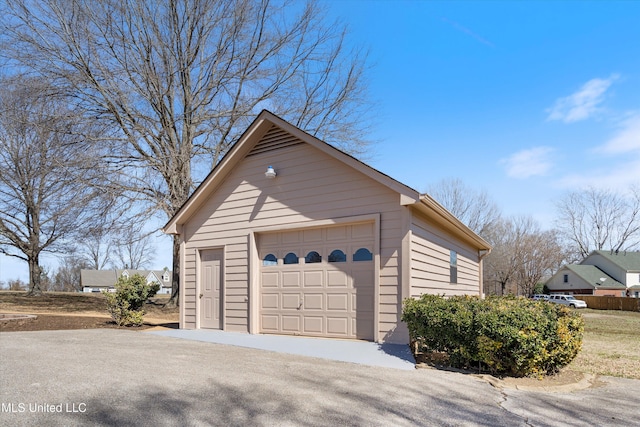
(525, 100)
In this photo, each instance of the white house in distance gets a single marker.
(289, 235)
(105, 280)
(604, 273)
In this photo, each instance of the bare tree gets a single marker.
(134, 248)
(539, 255)
(67, 277)
(181, 79)
(46, 283)
(522, 254)
(474, 208)
(17, 285)
(500, 266)
(95, 246)
(46, 164)
(596, 219)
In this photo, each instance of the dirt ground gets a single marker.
(56, 311)
(53, 322)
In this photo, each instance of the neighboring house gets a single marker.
(318, 245)
(604, 273)
(105, 280)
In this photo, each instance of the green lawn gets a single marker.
(611, 344)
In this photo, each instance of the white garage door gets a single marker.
(318, 282)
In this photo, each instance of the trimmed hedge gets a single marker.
(502, 335)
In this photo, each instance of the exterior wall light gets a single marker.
(270, 173)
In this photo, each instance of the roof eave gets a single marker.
(443, 217)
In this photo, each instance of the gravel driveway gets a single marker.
(116, 377)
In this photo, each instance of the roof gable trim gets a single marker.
(446, 219)
(247, 143)
(257, 129)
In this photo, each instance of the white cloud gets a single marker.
(527, 163)
(627, 139)
(616, 176)
(582, 104)
(620, 168)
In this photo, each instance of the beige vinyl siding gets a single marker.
(574, 281)
(310, 186)
(430, 255)
(188, 292)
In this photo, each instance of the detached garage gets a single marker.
(289, 235)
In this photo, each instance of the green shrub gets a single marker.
(126, 304)
(539, 288)
(502, 335)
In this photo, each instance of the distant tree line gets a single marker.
(524, 254)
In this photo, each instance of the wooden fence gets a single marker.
(610, 303)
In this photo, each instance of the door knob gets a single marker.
(201, 295)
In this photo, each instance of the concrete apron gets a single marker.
(396, 356)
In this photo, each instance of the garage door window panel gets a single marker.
(291, 258)
(362, 254)
(270, 260)
(312, 258)
(337, 256)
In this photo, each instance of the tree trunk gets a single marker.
(175, 284)
(34, 277)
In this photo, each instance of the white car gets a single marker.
(568, 300)
(540, 297)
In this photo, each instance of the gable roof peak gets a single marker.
(250, 140)
(268, 132)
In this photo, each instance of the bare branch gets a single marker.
(53, 191)
(178, 81)
(599, 219)
(474, 208)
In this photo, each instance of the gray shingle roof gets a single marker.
(98, 278)
(630, 261)
(108, 278)
(593, 275)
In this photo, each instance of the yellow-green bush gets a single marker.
(502, 335)
(126, 304)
